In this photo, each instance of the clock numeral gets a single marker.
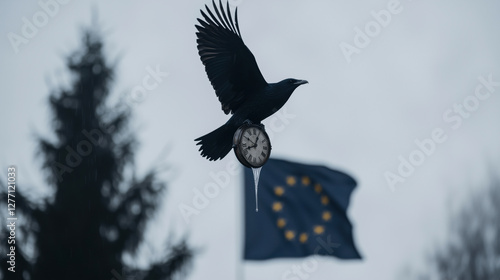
(254, 131)
(245, 152)
(263, 140)
(250, 158)
(263, 154)
(244, 145)
(254, 160)
(265, 148)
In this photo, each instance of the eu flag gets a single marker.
(302, 211)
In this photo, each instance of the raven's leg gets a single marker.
(247, 121)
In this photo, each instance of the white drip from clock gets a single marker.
(256, 175)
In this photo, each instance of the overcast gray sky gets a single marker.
(359, 113)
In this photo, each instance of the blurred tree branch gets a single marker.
(472, 251)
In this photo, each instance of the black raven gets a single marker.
(236, 79)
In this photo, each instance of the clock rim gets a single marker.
(237, 144)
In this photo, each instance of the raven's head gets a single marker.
(284, 89)
(291, 84)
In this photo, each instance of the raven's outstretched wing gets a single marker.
(230, 66)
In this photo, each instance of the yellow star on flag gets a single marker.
(281, 223)
(317, 188)
(324, 200)
(303, 238)
(279, 191)
(306, 181)
(290, 180)
(277, 206)
(319, 229)
(327, 216)
(289, 234)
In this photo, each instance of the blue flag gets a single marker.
(302, 212)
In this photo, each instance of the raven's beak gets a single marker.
(301, 82)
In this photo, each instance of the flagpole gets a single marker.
(240, 270)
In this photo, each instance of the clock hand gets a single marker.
(250, 140)
(257, 139)
(254, 143)
(253, 146)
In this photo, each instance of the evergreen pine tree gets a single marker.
(97, 213)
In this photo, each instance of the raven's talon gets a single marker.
(247, 121)
(262, 126)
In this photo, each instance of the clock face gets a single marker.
(254, 146)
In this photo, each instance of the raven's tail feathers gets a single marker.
(217, 144)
